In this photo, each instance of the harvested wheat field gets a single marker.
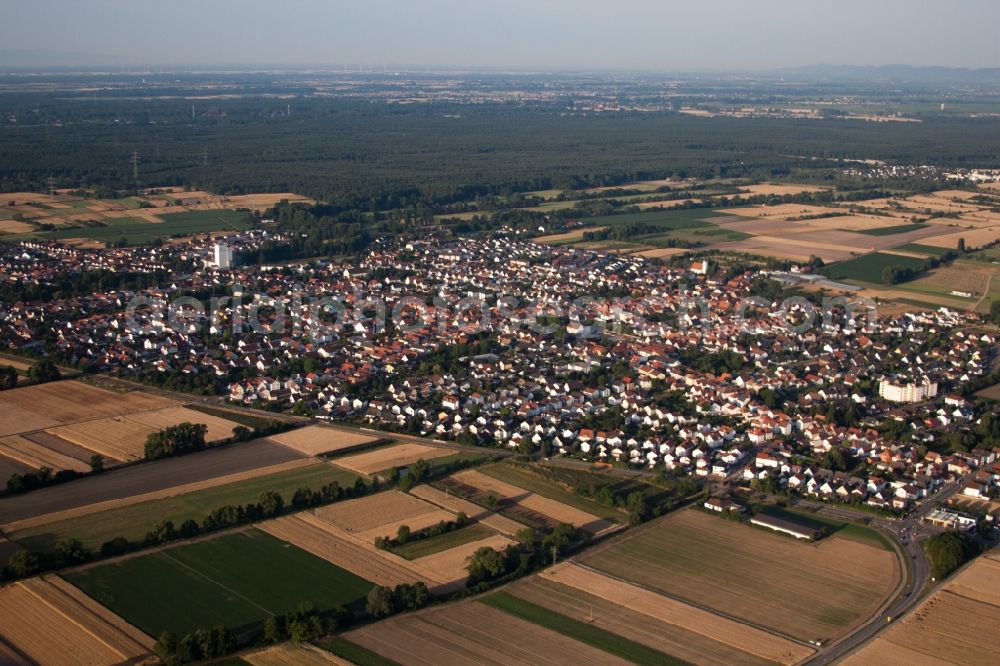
(397, 455)
(51, 622)
(781, 189)
(956, 625)
(456, 505)
(960, 276)
(731, 641)
(265, 200)
(947, 628)
(59, 403)
(15, 227)
(557, 511)
(782, 211)
(317, 439)
(472, 633)
(293, 654)
(325, 540)
(371, 516)
(124, 437)
(744, 571)
(218, 428)
(448, 566)
(973, 238)
(33, 454)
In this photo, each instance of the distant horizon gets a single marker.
(149, 68)
(560, 35)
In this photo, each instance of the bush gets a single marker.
(175, 440)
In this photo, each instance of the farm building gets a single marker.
(786, 527)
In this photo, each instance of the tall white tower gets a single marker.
(223, 255)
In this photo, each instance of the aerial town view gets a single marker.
(441, 333)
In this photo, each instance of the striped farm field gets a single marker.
(956, 625)
(48, 621)
(805, 591)
(318, 439)
(385, 457)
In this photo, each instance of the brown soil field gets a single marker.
(124, 437)
(574, 235)
(62, 402)
(173, 491)
(456, 505)
(448, 566)
(334, 545)
(754, 644)
(973, 238)
(317, 439)
(365, 514)
(51, 622)
(803, 590)
(398, 455)
(35, 455)
(293, 654)
(471, 633)
(558, 511)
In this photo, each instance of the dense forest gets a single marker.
(367, 155)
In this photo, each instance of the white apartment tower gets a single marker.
(223, 255)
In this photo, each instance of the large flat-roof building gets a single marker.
(907, 392)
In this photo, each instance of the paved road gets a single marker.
(145, 478)
(907, 533)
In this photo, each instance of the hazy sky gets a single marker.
(582, 34)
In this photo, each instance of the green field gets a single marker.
(237, 580)
(869, 268)
(133, 522)
(890, 231)
(581, 631)
(138, 231)
(923, 249)
(519, 476)
(413, 550)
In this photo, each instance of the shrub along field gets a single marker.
(134, 521)
(237, 580)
